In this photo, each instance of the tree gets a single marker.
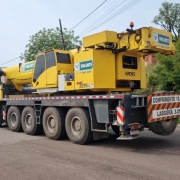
(48, 39)
(169, 18)
(166, 73)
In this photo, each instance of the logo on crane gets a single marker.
(27, 66)
(85, 65)
(161, 39)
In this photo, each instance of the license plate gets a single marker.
(134, 132)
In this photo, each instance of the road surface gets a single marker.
(38, 158)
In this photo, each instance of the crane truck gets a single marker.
(82, 92)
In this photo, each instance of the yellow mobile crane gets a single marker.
(78, 92)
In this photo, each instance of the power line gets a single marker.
(95, 25)
(10, 60)
(126, 7)
(88, 15)
(112, 3)
(110, 11)
(103, 16)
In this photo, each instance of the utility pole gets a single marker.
(61, 35)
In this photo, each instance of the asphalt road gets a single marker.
(36, 157)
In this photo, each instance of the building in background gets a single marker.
(150, 59)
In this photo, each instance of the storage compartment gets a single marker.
(94, 69)
(98, 38)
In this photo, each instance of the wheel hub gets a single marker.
(28, 120)
(167, 123)
(76, 125)
(13, 119)
(51, 123)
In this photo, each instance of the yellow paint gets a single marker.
(96, 69)
(145, 40)
(69, 85)
(51, 76)
(98, 38)
(142, 73)
(17, 76)
(41, 81)
(1, 91)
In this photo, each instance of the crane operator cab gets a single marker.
(47, 68)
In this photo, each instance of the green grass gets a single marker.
(179, 120)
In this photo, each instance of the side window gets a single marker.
(39, 67)
(129, 62)
(63, 58)
(50, 60)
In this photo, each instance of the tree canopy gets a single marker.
(48, 39)
(169, 18)
(165, 75)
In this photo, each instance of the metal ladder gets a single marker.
(37, 108)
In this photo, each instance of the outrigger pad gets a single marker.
(128, 137)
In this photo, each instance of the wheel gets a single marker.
(1, 117)
(28, 121)
(54, 123)
(14, 119)
(115, 129)
(78, 126)
(163, 127)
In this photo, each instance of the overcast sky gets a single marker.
(20, 19)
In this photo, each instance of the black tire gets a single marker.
(14, 119)
(163, 127)
(28, 121)
(115, 129)
(78, 126)
(54, 123)
(1, 117)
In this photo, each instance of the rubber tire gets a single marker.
(17, 111)
(1, 117)
(60, 131)
(34, 129)
(85, 135)
(163, 127)
(115, 129)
